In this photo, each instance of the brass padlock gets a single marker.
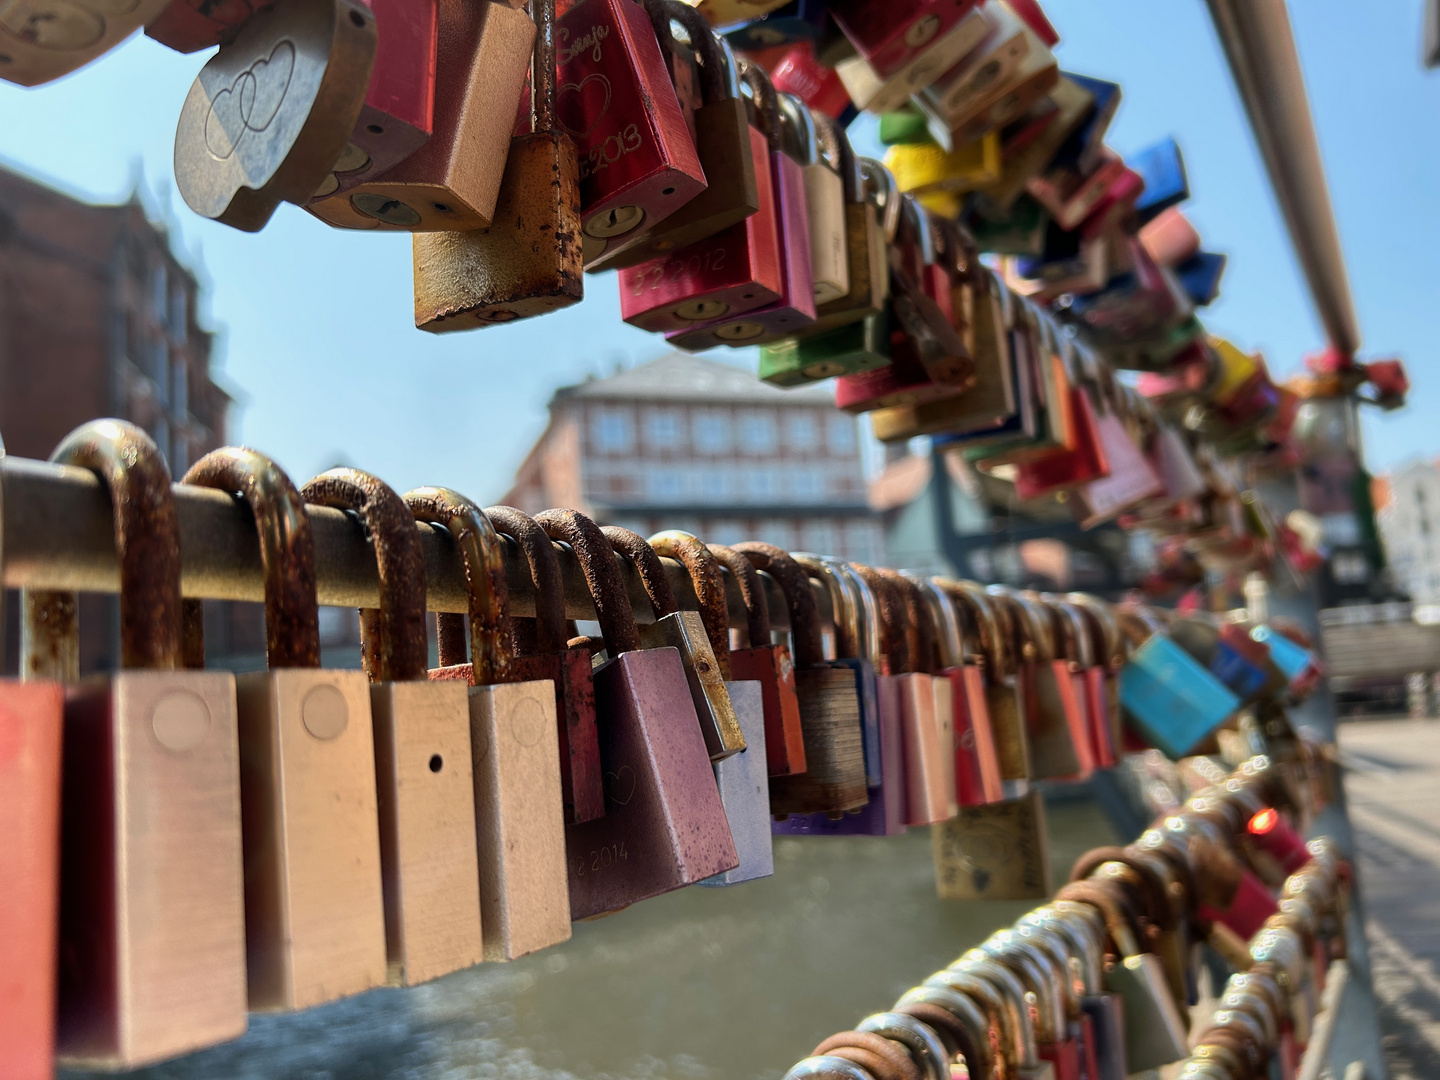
(152, 923)
(824, 199)
(450, 184)
(515, 745)
(269, 114)
(529, 261)
(1003, 692)
(42, 40)
(314, 913)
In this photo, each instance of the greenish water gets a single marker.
(702, 984)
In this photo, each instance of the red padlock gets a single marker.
(798, 72)
(1272, 833)
(616, 100)
(889, 34)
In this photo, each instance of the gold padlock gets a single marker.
(42, 40)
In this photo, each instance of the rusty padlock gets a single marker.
(664, 826)
(528, 262)
(515, 747)
(269, 114)
(424, 788)
(152, 922)
(42, 40)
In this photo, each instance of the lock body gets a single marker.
(961, 749)
(191, 25)
(904, 381)
(999, 851)
(426, 811)
(31, 729)
(152, 919)
(664, 826)
(520, 828)
(977, 717)
(772, 667)
(889, 36)
(581, 779)
(42, 40)
(834, 777)
(1172, 699)
(876, 93)
(527, 263)
(829, 257)
(926, 798)
(685, 633)
(615, 99)
(314, 908)
(994, 58)
(452, 182)
(744, 785)
(869, 273)
(310, 63)
(1059, 737)
(846, 350)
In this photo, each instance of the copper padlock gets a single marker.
(528, 262)
(972, 693)
(191, 25)
(664, 826)
(515, 746)
(728, 152)
(314, 913)
(762, 660)
(1003, 692)
(834, 777)
(422, 749)
(616, 99)
(269, 114)
(152, 922)
(42, 40)
(1059, 738)
(686, 632)
(452, 182)
(31, 728)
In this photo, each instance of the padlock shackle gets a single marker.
(835, 145)
(147, 542)
(950, 637)
(597, 562)
(631, 546)
(287, 551)
(752, 594)
(1060, 953)
(705, 578)
(920, 626)
(1076, 629)
(971, 597)
(843, 615)
(718, 81)
(1077, 938)
(765, 100)
(1107, 640)
(1122, 928)
(1023, 960)
(543, 81)
(919, 1039)
(393, 640)
(545, 577)
(867, 612)
(1017, 624)
(492, 642)
(805, 632)
(894, 638)
(881, 189)
(965, 1022)
(1010, 992)
(799, 138)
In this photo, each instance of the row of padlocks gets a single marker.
(206, 844)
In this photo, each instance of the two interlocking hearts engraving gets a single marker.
(579, 106)
(62, 25)
(620, 785)
(251, 102)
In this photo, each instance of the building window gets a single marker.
(179, 306)
(802, 431)
(665, 485)
(808, 485)
(159, 295)
(715, 483)
(759, 433)
(663, 429)
(712, 432)
(725, 531)
(761, 484)
(862, 543)
(778, 533)
(180, 387)
(820, 537)
(611, 431)
(840, 433)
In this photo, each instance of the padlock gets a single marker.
(977, 762)
(922, 1042)
(42, 40)
(398, 116)
(851, 349)
(1002, 690)
(32, 719)
(824, 198)
(975, 1016)
(151, 939)
(923, 303)
(889, 36)
(637, 160)
(729, 12)
(998, 851)
(1155, 1034)
(742, 778)
(686, 632)
(1000, 999)
(453, 181)
(798, 20)
(528, 262)
(1146, 882)
(925, 167)
(269, 115)
(963, 749)
(191, 25)
(1231, 893)
(1065, 112)
(1024, 1062)
(1049, 747)
(874, 93)
(664, 826)
(514, 746)
(314, 913)
(423, 777)
(800, 72)
(769, 664)
(1111, 649)
(1061, 738)
(1167, 695)
(834, 777)
(1076, 946)
(1085, 651)
(856, 633)
(795, 308)
(877, 1056)
(1047, 979)
(730, 152)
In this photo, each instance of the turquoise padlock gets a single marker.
(1173, 701)
(1293, 660)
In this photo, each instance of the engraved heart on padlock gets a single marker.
(572, 112)
(620, 783)
(251, 103)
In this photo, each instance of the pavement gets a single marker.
(1393, 787)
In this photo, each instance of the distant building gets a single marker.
(1410, 527)
(691, 443)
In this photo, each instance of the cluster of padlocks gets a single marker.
(207, 844)
(1102, 983)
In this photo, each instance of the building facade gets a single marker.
(98, 317)
(685, 442)
(1410, 528)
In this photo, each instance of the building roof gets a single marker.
(680, 377)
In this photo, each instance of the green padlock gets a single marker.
(846, 350)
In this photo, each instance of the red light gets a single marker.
(1263, 822)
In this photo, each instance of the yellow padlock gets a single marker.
(927, 167)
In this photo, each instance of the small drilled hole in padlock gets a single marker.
(357, 19)
(440, 206)
(6, 58)
(436, 763)
(668, 191)
(375, 129)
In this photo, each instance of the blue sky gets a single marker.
(316, 330)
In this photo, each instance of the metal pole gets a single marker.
(1260, 47)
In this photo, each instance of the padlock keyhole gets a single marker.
(436, 763)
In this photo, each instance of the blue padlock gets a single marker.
(1163, 170)
(1173, 701)
(799, 20)
(1293, 660)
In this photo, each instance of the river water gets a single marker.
(702, 984)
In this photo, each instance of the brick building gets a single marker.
(691, 443)
(98, 318)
